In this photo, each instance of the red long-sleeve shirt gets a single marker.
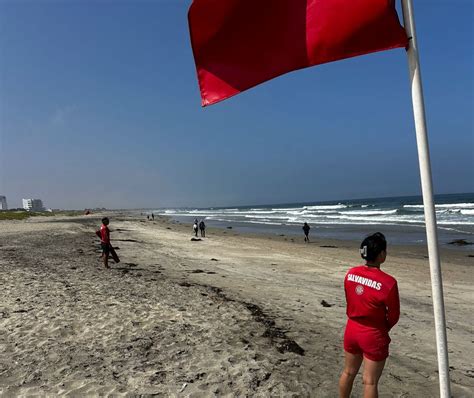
(372, 297)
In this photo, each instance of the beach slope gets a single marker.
(228, 315)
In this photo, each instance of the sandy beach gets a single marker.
(229, 315)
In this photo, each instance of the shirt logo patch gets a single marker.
(364, 281)
(359, 289)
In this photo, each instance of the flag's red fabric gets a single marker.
(238, 44)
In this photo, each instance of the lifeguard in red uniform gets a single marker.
(373, 308)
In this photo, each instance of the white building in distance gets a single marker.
(3, 203)
(33, 204)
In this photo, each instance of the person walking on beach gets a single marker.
(195, 227)
(306, 229)
(373, 308)
(153, 216)
(202, 228)
(105, 241)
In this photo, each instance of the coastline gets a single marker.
(224, 315)
(397, 235)
(400, 218)
(296, 236)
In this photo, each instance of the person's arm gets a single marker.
(393, 307)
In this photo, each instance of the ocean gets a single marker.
(401, 219)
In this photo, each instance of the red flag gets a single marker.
(238, 44)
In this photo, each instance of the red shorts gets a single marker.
(366, 340)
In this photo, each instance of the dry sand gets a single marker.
(230, 315)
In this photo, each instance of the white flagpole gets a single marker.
(429, 207)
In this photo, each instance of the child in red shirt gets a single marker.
(373, 308)
(105, 241)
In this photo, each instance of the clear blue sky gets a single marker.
(99, 106)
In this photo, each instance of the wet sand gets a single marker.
(229, 315)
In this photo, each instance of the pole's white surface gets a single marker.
(429, 207)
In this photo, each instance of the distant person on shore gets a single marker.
(153, 216)
(148, 217)
(306, 229)
(196, 227)
(202, 228)
(105, 241)
(373, 308)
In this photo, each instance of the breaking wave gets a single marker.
(386, 211)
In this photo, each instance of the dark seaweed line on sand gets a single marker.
(277, 336)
